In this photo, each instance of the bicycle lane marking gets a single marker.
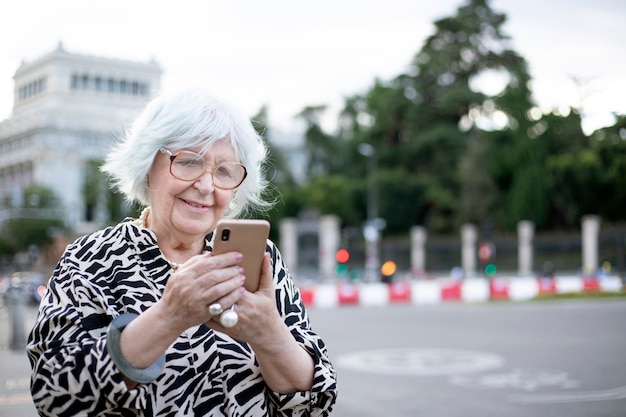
(573, 396)
(533, 379)
(419, 362)
(16, 392)
(460, 364)
(520, 378)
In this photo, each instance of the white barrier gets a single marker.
(325, 296)
(611, 284)
(374, 294)
(523, 289)
(475, 290)
(433, 292)
(567, 284)
(425, 292)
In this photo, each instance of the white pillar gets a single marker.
(525, 235)
(418, 250)
(329, 237)
(289, 242)
(469, 235)
(590, 232)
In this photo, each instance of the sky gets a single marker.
(288, 54)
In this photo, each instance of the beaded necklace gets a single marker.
(143, 222)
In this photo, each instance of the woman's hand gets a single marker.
(201, 281)
(285, 365)
(256, 310)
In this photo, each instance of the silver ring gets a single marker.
(229, 317)
(215, 309)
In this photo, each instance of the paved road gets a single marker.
(15, 398)
(562, 358)
(557, 358)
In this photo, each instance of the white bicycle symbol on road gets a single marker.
(462, 366)
(524, 379)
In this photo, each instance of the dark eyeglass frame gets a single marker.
(208, 168)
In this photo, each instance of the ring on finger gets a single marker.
(229, 318)
(215, 309)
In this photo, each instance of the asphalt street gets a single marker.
(548, 358)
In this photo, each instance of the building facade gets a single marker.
(68, 110)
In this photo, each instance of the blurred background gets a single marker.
(388, 115)
(398, 132)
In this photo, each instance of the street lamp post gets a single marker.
(372, 226)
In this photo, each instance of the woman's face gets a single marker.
(188, 207)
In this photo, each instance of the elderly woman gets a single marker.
(131, 323)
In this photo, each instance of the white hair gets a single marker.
(184, 120)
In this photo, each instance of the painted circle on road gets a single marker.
(419, 362)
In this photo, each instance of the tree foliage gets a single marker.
(459, 139)
(37, 224)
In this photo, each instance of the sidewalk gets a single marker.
(15, 399)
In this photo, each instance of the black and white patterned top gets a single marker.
(122, 270)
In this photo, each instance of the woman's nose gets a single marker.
(205, 182)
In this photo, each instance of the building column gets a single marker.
(288, 229)
(590, 233)
(469, 234)
(525, 235)
(329, 237)
(418, 250)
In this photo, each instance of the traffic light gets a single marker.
(487, 255)
(490, 270)
(387, 270)
(342, 256)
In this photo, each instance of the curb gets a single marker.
(434, 292)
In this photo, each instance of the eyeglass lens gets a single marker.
(190, 166)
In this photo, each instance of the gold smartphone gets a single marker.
(248, 236)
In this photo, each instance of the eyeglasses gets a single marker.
(189, 166)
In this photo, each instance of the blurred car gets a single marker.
(32, 283)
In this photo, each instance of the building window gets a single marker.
(85, 82)
(96, 83)
(32, 88)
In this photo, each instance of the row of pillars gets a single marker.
(329, 232)
(329, 229)
(525, 235)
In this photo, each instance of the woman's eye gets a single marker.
(223, 171)
(188, 162)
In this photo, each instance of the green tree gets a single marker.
(283, 189)
(277, 168)
(36, 223)
(96, 192)
(451, 148)
(589, 179)
(435, 122)
(325, 152)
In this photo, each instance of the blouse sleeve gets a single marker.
(321, 398)
(72, 371)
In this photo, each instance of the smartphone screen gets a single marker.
(248, 237)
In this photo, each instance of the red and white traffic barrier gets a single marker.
(433, 292)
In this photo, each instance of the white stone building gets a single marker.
(68, 109)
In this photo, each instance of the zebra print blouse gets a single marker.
(121, 270)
